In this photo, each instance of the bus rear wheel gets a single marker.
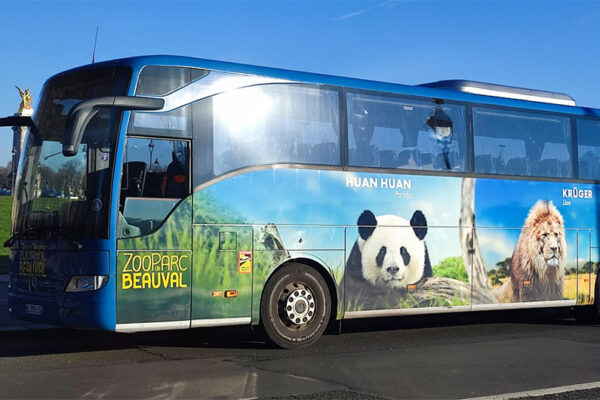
(295, 306)
(590, 314)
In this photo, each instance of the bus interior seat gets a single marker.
(91, 185)
(589, 170)
(517, 166)
(76, 214)
(549, 167)
(134, 176)
(484, 164)
(585, 169)
(324, 153)
(567, 170)
(154, 182)
(387, 159)
(303, 152)
(409, 158)
(426, 160)
(363, 157)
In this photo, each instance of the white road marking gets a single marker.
(539, 392)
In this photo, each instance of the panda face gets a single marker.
(392, 254)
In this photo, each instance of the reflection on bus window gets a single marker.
(297, 124)
(160, 80)
(388, 132)
(517, 143)
(155, 177)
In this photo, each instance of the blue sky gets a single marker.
(535, 44)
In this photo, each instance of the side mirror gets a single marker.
(81, 114)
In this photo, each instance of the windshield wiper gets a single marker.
(9, 242)
(57, 230)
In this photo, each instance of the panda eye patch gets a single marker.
(380, 256)
(405, 255)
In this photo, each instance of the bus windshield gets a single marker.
(70, 195)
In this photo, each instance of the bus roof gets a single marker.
(425, 90)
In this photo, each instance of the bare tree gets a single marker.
(468, 237)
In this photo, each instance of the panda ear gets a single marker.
(366, 224)
(419, 224)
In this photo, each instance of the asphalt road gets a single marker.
(452, 356)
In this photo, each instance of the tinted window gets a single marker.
(66, 90)
(588, 148)
(71, 193)
(160, 80)
(155, 177)
(265, 124)
(517, 143)
(176, 123)
(396, 133)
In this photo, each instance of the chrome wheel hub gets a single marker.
(300, 305)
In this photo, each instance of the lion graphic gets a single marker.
(537, 265)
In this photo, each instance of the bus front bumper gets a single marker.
(86, 310)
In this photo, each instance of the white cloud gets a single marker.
(386, 4)
(495, 246)
(350, 15)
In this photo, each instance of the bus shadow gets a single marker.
(63, 340)
(213, 340)
(535, 316)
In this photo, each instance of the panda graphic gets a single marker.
(390, 251)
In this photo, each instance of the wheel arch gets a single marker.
(327, 275)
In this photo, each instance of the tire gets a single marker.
(295, 306)
(596, 310)
(590, 314)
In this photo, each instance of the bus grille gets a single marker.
(37, 285)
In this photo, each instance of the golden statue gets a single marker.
(25, 100)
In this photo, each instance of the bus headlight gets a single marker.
(86, 283)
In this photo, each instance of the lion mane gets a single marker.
(537, 265)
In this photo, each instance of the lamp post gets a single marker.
(151, 148)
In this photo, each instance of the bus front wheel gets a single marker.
(295, 306)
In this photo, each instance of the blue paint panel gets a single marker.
(38, 278)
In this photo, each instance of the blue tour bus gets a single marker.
(166, 192)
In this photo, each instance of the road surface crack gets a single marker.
(154, 353)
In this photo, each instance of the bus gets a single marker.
(166, 192)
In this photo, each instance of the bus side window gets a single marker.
(154, 179)
(588, 146)
(521, 143)
(393, 132)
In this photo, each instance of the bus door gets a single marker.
(222, 274)
(154, 258)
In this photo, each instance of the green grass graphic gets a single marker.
(5, 224)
